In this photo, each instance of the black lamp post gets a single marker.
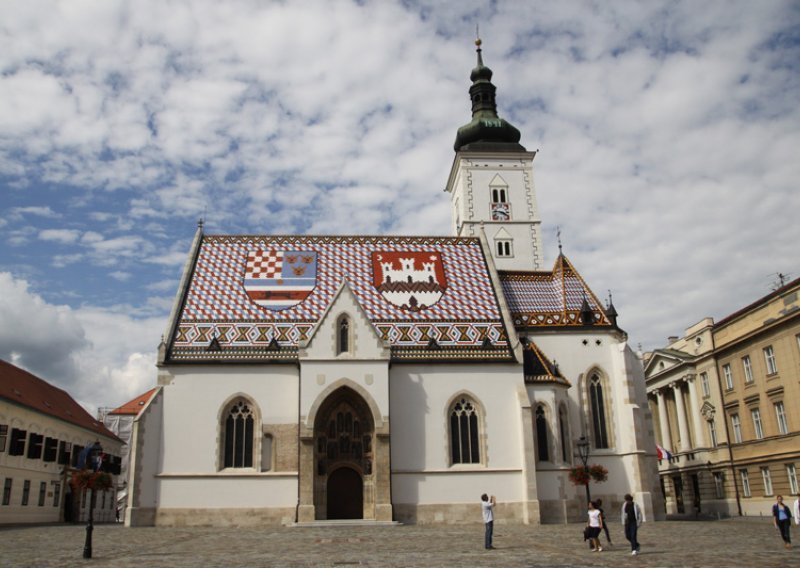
(92, 463)
(583, 453)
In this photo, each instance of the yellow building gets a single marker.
(725, 404)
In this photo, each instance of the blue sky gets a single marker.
(667, 136)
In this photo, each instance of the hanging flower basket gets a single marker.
(598, 472)
(580, 475)
(88, 479)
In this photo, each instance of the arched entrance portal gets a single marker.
(345, 494)
(343, 455)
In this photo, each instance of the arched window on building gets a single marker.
(238, 423)
(343, 335)
(542, 439)
(598, 411)
(464, 432)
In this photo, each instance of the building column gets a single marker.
(663, 421)
(694, 411)
(530, 504)
(683, 427)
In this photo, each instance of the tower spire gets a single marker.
(487, 131)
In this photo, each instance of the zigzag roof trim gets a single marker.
(550, 299)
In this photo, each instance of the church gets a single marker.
(394, 379)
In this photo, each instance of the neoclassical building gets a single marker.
(389, 378)
(724, 398)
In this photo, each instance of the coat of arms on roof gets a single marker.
(280, 279)
(410, 280)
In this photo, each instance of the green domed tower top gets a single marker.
(486, 131)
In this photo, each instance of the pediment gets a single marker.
(502, 234)
(707, 410)
(366, 340)
(663, 360)
(498, 181)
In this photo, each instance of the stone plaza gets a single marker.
(740, 542)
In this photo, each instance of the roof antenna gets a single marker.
(781, 280)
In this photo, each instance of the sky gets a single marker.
(668, 138)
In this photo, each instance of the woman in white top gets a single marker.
(595, 525)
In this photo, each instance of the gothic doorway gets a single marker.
(343, 455)
(345, 494)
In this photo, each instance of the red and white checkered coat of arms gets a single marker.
(280, 279)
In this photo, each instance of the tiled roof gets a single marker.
(21, 387)
(261, 296)
(550, 299)
(539, 369)
(134, 407)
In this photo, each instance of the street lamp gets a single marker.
(92, 463)
(583, 453)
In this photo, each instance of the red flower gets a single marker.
(580, 475)
(88, 479)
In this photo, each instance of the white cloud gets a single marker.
(102, 357)
(40, 336)
(668, 133)
(39, 211)
(60, 235)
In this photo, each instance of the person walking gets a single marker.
(487, 507)
(595, 525)
(599, 503)
(782, 519)
(631, 521)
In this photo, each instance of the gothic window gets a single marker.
(238, 427)
(598, 412)
(464, 432)
(343, 335)
(542, 441)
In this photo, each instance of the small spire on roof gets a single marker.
(611, 312)
(478, 43)
(558, 236)
(587, 315)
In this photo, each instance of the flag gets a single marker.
(662, 454)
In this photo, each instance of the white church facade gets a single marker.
(309, 378)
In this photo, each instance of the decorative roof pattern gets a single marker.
(414, 290)
(550, 299)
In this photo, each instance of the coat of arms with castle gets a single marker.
(410, 280)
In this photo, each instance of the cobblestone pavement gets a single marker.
(739, 542)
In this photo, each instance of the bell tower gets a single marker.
(491, 181)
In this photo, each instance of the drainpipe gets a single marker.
(299, 442)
